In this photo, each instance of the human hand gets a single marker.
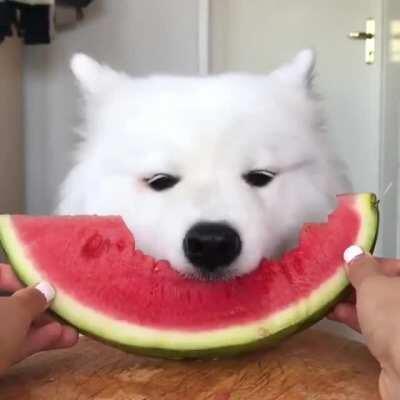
(375, 312)
(345, 312)
(25, 328)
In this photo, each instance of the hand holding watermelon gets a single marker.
(375, 313)
(25, 329)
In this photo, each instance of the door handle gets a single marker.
(369, 37)
(361, 35)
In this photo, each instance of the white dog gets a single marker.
(211, 174)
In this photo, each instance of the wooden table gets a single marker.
(310, 366)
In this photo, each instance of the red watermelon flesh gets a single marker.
(111, 290)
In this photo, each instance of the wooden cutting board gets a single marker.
(310, 366)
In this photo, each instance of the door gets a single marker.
(259, 35)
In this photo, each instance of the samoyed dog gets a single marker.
(210, 173)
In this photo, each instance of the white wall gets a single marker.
(135, 35)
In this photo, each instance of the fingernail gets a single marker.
(351, 253)
(47, 290)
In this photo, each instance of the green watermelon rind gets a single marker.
(214, 343)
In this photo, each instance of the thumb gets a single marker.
(360, 265)
(34, 300)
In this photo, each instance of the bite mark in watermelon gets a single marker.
(110, 290)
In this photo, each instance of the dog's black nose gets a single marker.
(209, 246)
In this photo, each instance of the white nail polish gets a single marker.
(47, 290)
(351, 253)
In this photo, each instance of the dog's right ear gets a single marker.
(92, 76)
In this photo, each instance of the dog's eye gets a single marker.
(161, 182)
(259, 178)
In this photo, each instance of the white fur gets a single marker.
(209, 131)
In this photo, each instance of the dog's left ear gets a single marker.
(301, 70)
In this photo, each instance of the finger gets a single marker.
(43, 319)
(50, 337)
(389, 386)
(346, 314)
(33, 301)
(389, 266)
(41, 338)
(360, 265)
(8, 281)
(69, 337)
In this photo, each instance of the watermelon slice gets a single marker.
(112, 291)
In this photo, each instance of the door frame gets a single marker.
(203, 39)
(390, 133)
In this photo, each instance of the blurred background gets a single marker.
(358, 74)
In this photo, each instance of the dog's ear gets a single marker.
(301, 70)
(92, 76)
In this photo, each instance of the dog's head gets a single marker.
(211, 174)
